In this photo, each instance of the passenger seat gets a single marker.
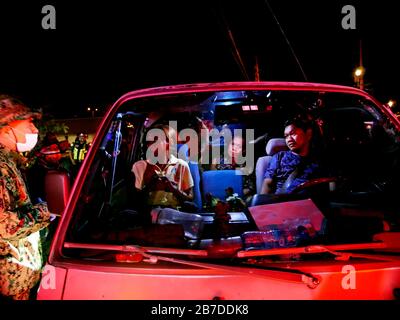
(183, 153)
(216, 181)
(273, 146)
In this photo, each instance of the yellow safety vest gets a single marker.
(78, 154)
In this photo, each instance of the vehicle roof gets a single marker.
(249, 85)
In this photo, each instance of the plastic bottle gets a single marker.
(192, 223)
(298, 231)
(291, 233)
(272, 237)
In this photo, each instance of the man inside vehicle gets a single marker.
(163, 178)
(289, 169)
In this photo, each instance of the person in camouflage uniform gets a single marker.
(20, 220)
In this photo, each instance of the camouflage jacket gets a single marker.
(20, 222)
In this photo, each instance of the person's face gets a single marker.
(22, 127)
(160, 141)
(14, 135)
(296, 139)
(160, 147)
(236, 147)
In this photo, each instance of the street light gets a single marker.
(391, 103)
(359, 77)
(92, 110)
(358, 72)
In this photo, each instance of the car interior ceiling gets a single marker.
(348, 134)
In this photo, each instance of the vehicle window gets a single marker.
(360, 144)
(107, 188)
(357, 145)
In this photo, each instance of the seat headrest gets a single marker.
(183, 151)
(275, 145)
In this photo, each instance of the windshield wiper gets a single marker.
(135, 249)
(291, 275)
(333, 249)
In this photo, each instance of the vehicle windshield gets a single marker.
(210, 175)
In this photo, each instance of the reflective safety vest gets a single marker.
(79, 152)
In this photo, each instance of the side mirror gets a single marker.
(57, 188)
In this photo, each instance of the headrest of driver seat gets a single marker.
(275, 145)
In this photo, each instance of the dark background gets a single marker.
(101, 50)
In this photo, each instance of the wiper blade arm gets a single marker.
(135, 249)
(313, 249)
(281, 274)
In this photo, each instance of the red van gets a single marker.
(336, 236)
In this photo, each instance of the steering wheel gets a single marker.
(313, 182)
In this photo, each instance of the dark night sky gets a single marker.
(101, 50)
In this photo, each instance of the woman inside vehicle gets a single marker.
(236, 148)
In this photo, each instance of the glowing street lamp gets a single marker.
(359, 77)
(391, 103)
(358, 72)
(93, 110)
